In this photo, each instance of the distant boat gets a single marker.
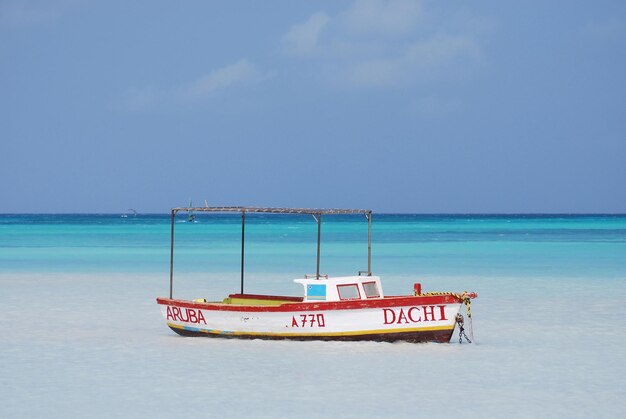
(191, 216)
(126, 215)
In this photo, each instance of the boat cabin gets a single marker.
(341, 288)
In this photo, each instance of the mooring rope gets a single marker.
(464, 298)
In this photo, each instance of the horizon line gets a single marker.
(375, 213)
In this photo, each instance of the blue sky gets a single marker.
(398, 106)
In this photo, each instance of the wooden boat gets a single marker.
(331, 308)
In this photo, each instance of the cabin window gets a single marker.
(349, 292)
(371, 289)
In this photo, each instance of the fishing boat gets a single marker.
(330, 308)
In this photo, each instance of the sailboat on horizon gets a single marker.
(191, 217)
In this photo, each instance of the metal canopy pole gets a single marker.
(369, 244)
(243, 230)
(315, 212)
(172, 255)
(319, 235)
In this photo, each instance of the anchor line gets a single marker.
(465, 299)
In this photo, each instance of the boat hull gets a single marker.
(389, 319)
(439, 336)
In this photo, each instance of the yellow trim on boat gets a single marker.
(351, 333)
(255, 301)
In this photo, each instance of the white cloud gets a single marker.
(139, 99)
(302, 38)
(378, 43)
(222, 78)
(377, 72)
(420, 61)
(241, 72)
(382, 16)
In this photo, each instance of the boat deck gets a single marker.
(260, 300)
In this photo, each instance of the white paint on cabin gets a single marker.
(341, 288)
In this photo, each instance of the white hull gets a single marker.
(312, 321)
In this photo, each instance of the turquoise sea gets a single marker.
(83, 336)
(546, 245)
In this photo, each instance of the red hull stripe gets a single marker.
(317, 306)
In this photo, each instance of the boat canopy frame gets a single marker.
(315, 212)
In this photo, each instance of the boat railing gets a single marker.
(307, 276)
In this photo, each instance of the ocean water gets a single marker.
(83, 336)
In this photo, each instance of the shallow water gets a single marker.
(84, 336)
